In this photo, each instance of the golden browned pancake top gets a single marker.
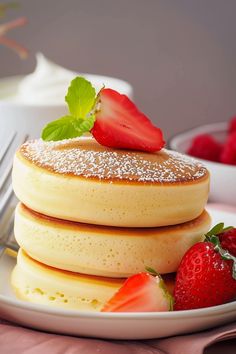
(84, 157)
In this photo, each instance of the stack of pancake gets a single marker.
(90, 216)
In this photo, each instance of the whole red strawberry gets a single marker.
(205, 147)
(228, 241)
(119, 124)
(206, 275)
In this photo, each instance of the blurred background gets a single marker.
(179, 55)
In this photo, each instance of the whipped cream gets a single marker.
(49, 82)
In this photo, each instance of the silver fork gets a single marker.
(7, 199)
(7, 238)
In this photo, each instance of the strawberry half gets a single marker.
(119, 124)
(141, 292)
(206, 275)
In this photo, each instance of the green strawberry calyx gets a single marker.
(212, 236)
(163, 287)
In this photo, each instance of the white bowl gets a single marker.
(223, 177)
(31, 117)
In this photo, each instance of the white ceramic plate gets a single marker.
(111, 325)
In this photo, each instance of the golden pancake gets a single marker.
(38, 283)
(105, 251)
(35, 282)
(82, 181)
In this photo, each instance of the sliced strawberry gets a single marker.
(206, 276)
(228, 241)
(141, 292)
(119, 124)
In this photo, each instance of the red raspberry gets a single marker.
(228, 241)
(205, 147)
(228, 154)
(232, 125)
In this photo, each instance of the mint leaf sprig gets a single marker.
(212, 236)
(81, 99)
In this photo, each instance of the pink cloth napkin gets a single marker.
(20, 340)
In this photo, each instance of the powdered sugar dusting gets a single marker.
(85, 158)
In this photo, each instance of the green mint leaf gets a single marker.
(80, 97)
(67, 127)
(87, 124)
(63, 128)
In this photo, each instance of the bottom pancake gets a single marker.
(38, 283)
(35, 282)
(105, 251)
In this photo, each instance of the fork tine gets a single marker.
(7, 233)
(7, 237)
(7, 230)
(5, 198)
(6, 146)
(11, 241)
(5, 175)
(7, 213)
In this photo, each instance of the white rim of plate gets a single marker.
(209, 311)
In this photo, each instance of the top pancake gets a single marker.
(84, 157)
(80, 180)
